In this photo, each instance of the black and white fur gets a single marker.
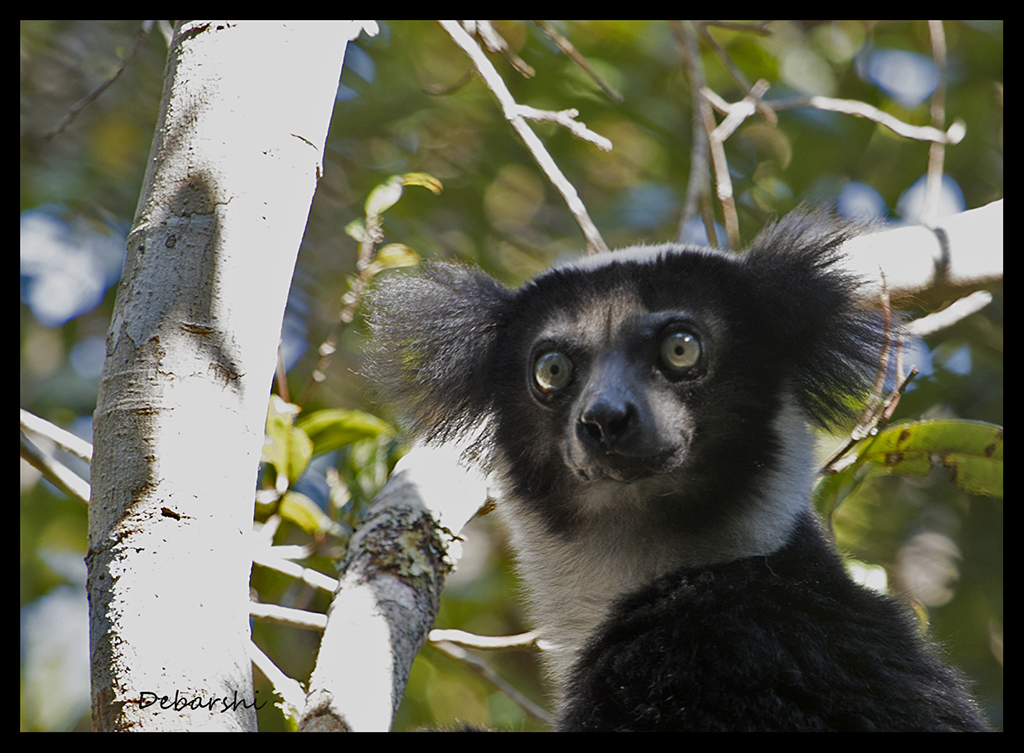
(645, 415)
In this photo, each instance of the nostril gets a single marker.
(594, 433)
(605, 425)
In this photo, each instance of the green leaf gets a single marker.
(387, 194)
(336, 427)
(423, 179)
(285, 447)
(395, 255)
(303, 512)
(356, 229)
(384, 196)
(972, 450)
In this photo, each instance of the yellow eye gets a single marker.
(680, 351)
(552, 371)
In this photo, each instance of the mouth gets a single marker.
(599, 472)
(625, 469)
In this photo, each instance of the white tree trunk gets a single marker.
(182, 403)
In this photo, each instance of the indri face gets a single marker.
(606, 379)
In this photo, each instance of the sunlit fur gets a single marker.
(640, 483)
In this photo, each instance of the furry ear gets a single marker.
(835, 339)
(433, 343)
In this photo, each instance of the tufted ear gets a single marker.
(835, 341)
(432, 350)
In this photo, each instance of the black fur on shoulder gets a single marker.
(785, 642)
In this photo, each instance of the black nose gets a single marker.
(607, 424)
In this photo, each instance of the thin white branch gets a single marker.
(58, 474)
(936, 151)
(953, 135)
(510, 108)
(566, 119)
(63, 439)
(723, 183)
(266, 557)
(287, 616)
(289, 690)
(950, 315)
(496, 43)
(568, 49)
(737, 112)
(485, 642)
